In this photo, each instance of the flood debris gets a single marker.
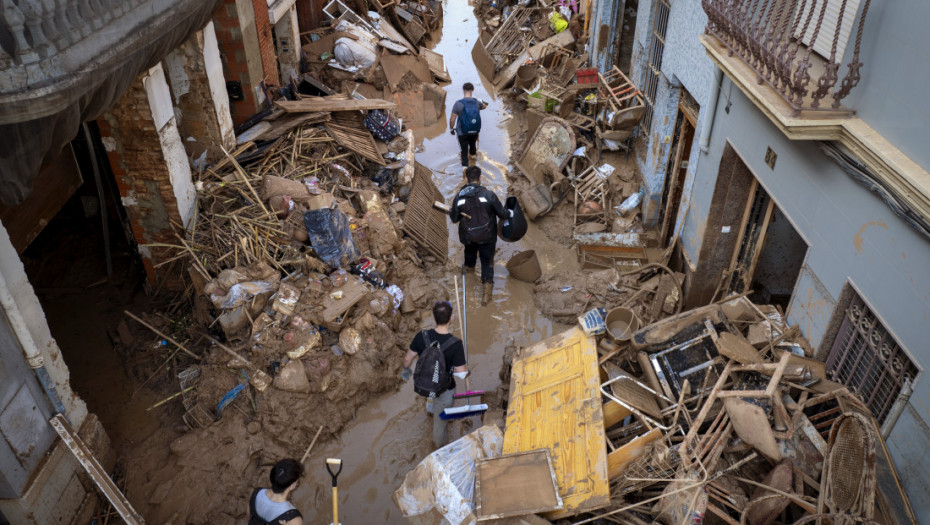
(306, 259)
(688, 420)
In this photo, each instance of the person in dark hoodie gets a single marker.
(476, 210)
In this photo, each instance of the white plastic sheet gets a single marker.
(443, 484)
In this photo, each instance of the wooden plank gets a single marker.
(321, 104)
(95, 470)
(566, 417)
(614, 413)
(620, 458)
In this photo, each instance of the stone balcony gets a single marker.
(63, 62)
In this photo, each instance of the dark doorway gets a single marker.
(779, 262)
(68, 269)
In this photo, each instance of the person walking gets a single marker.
(465, 122)
(271, 505)
(476, 210)
(440, 359)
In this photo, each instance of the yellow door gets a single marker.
(555, 404)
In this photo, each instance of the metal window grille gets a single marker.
(866, 358)
(654, 62)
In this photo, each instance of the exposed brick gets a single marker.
(141, 174)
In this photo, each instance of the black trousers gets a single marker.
(469, 144)
(485, 251)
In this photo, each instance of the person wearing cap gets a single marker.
(454, 355)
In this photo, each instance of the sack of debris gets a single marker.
(381, 125)
(331, 236)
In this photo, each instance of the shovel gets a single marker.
(335, 476)
(260, 380)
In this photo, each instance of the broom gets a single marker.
(465, 410)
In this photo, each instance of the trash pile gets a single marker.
(307, 260)
(718, 414)
(575, 116)
(379, 54)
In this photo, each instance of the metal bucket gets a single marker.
(621, 323)
(524, 266)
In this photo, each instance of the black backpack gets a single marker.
(432, 376)
(471, 116)
(479, 228)
(254, 519)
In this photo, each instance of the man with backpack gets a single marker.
(270, 506)
(476, 210)
(465, 122)
(440, 359)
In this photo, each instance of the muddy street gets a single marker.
(390, 434)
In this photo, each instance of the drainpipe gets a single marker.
(906, 389)
(711, 110)
(30, 349)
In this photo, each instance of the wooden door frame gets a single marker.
(673, 174)
(759, 241)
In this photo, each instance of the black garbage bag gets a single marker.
(331, 236)
(514, 228)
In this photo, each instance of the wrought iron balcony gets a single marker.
(794, 46)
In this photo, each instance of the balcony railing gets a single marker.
(776, 39)
(67, 61)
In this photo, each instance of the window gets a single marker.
(654, 60)
(866, 358)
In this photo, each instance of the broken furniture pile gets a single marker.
(377, 52)
(718, 413)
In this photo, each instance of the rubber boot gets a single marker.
(487, 288)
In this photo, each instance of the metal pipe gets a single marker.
(30, 349)
(711, 110)
(898, 407)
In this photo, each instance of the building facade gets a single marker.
(154, 88)
(805, 179)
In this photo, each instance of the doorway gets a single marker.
(677, 167)
(749, 243)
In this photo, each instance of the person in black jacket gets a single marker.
(476, 210)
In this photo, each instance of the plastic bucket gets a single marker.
(513, 228)
(524, 266)
(526, 75)
(621, 323)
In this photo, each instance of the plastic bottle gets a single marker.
(630, 203)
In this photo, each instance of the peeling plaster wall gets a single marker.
(287, 34)
(684, 64)
(606, 30)
(854, 236)
(15, 276)
(201, 104)
(179, 171)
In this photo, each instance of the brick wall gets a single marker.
(266, 42)
(136, 158)
(235, 64)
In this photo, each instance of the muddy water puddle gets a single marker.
(392, 434)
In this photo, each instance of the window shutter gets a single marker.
(828, 29)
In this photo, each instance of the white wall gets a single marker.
(179, 171)
(214, 68)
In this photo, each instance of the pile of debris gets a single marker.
(718, 414)
(304, 278)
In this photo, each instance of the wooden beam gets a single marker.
(319, 104)
(620, 458)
